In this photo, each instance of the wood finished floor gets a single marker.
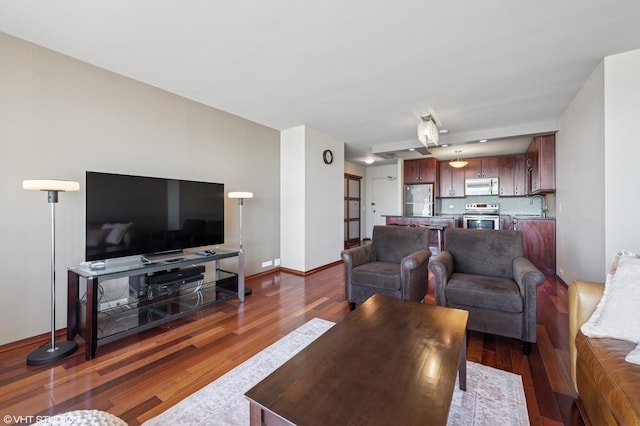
(141, 376)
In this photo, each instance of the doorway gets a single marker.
(352, 210)
(384, 195)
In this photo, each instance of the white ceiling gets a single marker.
(360, 71)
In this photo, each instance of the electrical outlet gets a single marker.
(276, 262)
(267, 263)
(561, 270)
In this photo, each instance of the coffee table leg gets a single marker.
(462, 365)
(255, 414)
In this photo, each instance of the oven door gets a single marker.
(481, 222)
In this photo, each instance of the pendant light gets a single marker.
(458, 163)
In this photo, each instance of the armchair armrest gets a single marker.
(583, 299)
(442, 268)
(414, 260)
(414, 270)
(354, 257)
(527, 276)
(357, 256)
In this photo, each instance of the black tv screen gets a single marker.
(137, 215)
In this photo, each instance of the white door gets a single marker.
(384, 201)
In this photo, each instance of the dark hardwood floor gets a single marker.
(139, 377)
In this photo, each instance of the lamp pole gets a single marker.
(241, 196)
(53, 351)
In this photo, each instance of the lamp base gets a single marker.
(44, 354)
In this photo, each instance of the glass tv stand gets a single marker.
(112, 299)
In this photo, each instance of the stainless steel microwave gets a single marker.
(483, 186)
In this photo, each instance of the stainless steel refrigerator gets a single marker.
(418, 200)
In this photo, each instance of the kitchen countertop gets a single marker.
(437, 216)
(528, 217)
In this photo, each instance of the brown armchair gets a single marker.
(394, 264)
(486, 273)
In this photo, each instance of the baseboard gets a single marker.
(40, 338)
(311, 271)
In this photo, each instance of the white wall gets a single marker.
(597, 154)
(324, 228)
(60, 117)
(622, 152)
(580, 180)
(292, 203)
(312, 205)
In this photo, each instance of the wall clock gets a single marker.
(327, 156)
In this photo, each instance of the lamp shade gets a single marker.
(457, 164)
(50, 185)
(240, 194)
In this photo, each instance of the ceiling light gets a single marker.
(428, 132)
(482, 140)
(369, 161)
(457, 164)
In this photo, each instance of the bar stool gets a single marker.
(439, 229)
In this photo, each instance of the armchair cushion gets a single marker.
(496, 293)
(377, 274)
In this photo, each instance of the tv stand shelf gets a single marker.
(155, 292)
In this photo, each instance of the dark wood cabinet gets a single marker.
(482, 168)
(451, 181)
(539, 241)
(512, 176)
(541, 165)
(420, 171)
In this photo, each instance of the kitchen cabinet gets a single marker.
(512, 176)
(482, 168)
(539, 242)
(423, 170)
(451, 181)
(541, 165)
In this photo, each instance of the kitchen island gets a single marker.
(443, 221)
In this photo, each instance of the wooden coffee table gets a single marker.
(390, 361)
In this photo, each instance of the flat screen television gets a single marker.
(136, 215)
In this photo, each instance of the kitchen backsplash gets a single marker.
(512, 206)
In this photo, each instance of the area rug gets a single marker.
(493, 397)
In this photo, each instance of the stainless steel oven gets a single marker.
(481, 221)
(481, 216)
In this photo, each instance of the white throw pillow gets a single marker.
(618, 312)
(634, 356)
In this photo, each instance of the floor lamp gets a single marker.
(52, 351)
(240, 196)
